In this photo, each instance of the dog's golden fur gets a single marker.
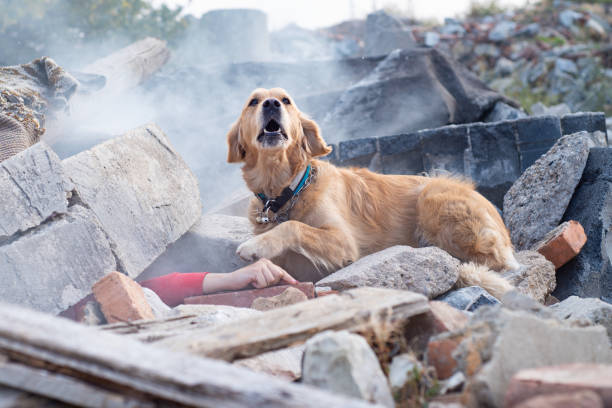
(347, 213)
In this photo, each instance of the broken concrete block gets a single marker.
(287, 297)
(561, 379)
(590, 273)
(536, 202)
(385, 33)
(53, 266)
(142, 192)
(509, 341)
(33, 188)
(429, 271)
(344, 363)
(245, 298)
(284, 363)
(576, 399)
(562, 244)
(592, 310)
(208, 246)
(468, 299)
(535, 278)
(121, 299)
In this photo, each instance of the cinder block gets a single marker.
(244, 298)
(588, 121)
(563, 243)
(121, 299)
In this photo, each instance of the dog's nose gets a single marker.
(271, 104)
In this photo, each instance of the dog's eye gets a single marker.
(286, 101)
(254, 102)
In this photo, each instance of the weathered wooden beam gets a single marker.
(142, 372)
(366, 310)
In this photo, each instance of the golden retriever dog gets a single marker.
(342, 214)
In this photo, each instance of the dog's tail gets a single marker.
(471, 274)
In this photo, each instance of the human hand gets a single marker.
(260, 274)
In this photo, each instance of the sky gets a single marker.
(323, 13)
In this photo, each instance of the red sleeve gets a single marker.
(175, 287)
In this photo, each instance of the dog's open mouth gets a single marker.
(272, 134)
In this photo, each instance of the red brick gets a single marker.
(568, 378)
(447, 318)
(244, 298)
(121, 299)
(440, 356)
(327, 293)
(582, 399)
(563, 243)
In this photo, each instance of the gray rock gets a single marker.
(511, 341)
(385, 33)
(210, 315)
(405, 369)
(536, 277)
(54, 266)
(92, 314)
(592, 310)
(429, 271)
(502, 111)
(33, 188)
(565, 66)
(487, 50)
(567, 18)
(142, 192)
(452, 28)
(504, 67)
(469, 299)
(515, 300)
(431, 38)
(344, 363)
(159, 308)
(502, 31)
(589, 274)
(208, 246)
(530, 30)
(284, 363)
(539, 109)
(536, 202)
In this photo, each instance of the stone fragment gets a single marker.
(246, 298)
(578, 399)
(142, 192)
(509, 341)
(33, 188)
(592, 310)
(287, 297)
(567, 17)
(121, 299)
(53, 266)
(468, 299)
(214, 314)
(502, 111)
(284, 363)
(535, 203)
(344, 363)
(429, 271)
(404, 371)
(92, 314)
(561, 379)
(562, 244)
(159, 308)
(210, 246)
(384, 33)
(536, 276)
(502, 31)
(590, 273)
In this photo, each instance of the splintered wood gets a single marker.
(64, 361)
(365, 310)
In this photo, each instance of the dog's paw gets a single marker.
(256, 248)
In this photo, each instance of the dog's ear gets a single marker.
(236, 152)
(313, 142)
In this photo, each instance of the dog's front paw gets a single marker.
(256, 248)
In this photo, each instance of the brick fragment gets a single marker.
(440, 356)
(567, 378)
(245, 298)
(563, 243)
(121, 299)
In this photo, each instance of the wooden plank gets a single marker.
(359, 310)
(124, 366)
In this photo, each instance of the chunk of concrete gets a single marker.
(385, 33)
(429, 271)
(288, 297)
(590, 273)
(284, 363)
(53, 267)
(344, 363)
(142, 192)
(535, 278)
(33, 188)
(469, 299)
(592, 310)
(536, 202)
(404, 372)
(209, 246)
